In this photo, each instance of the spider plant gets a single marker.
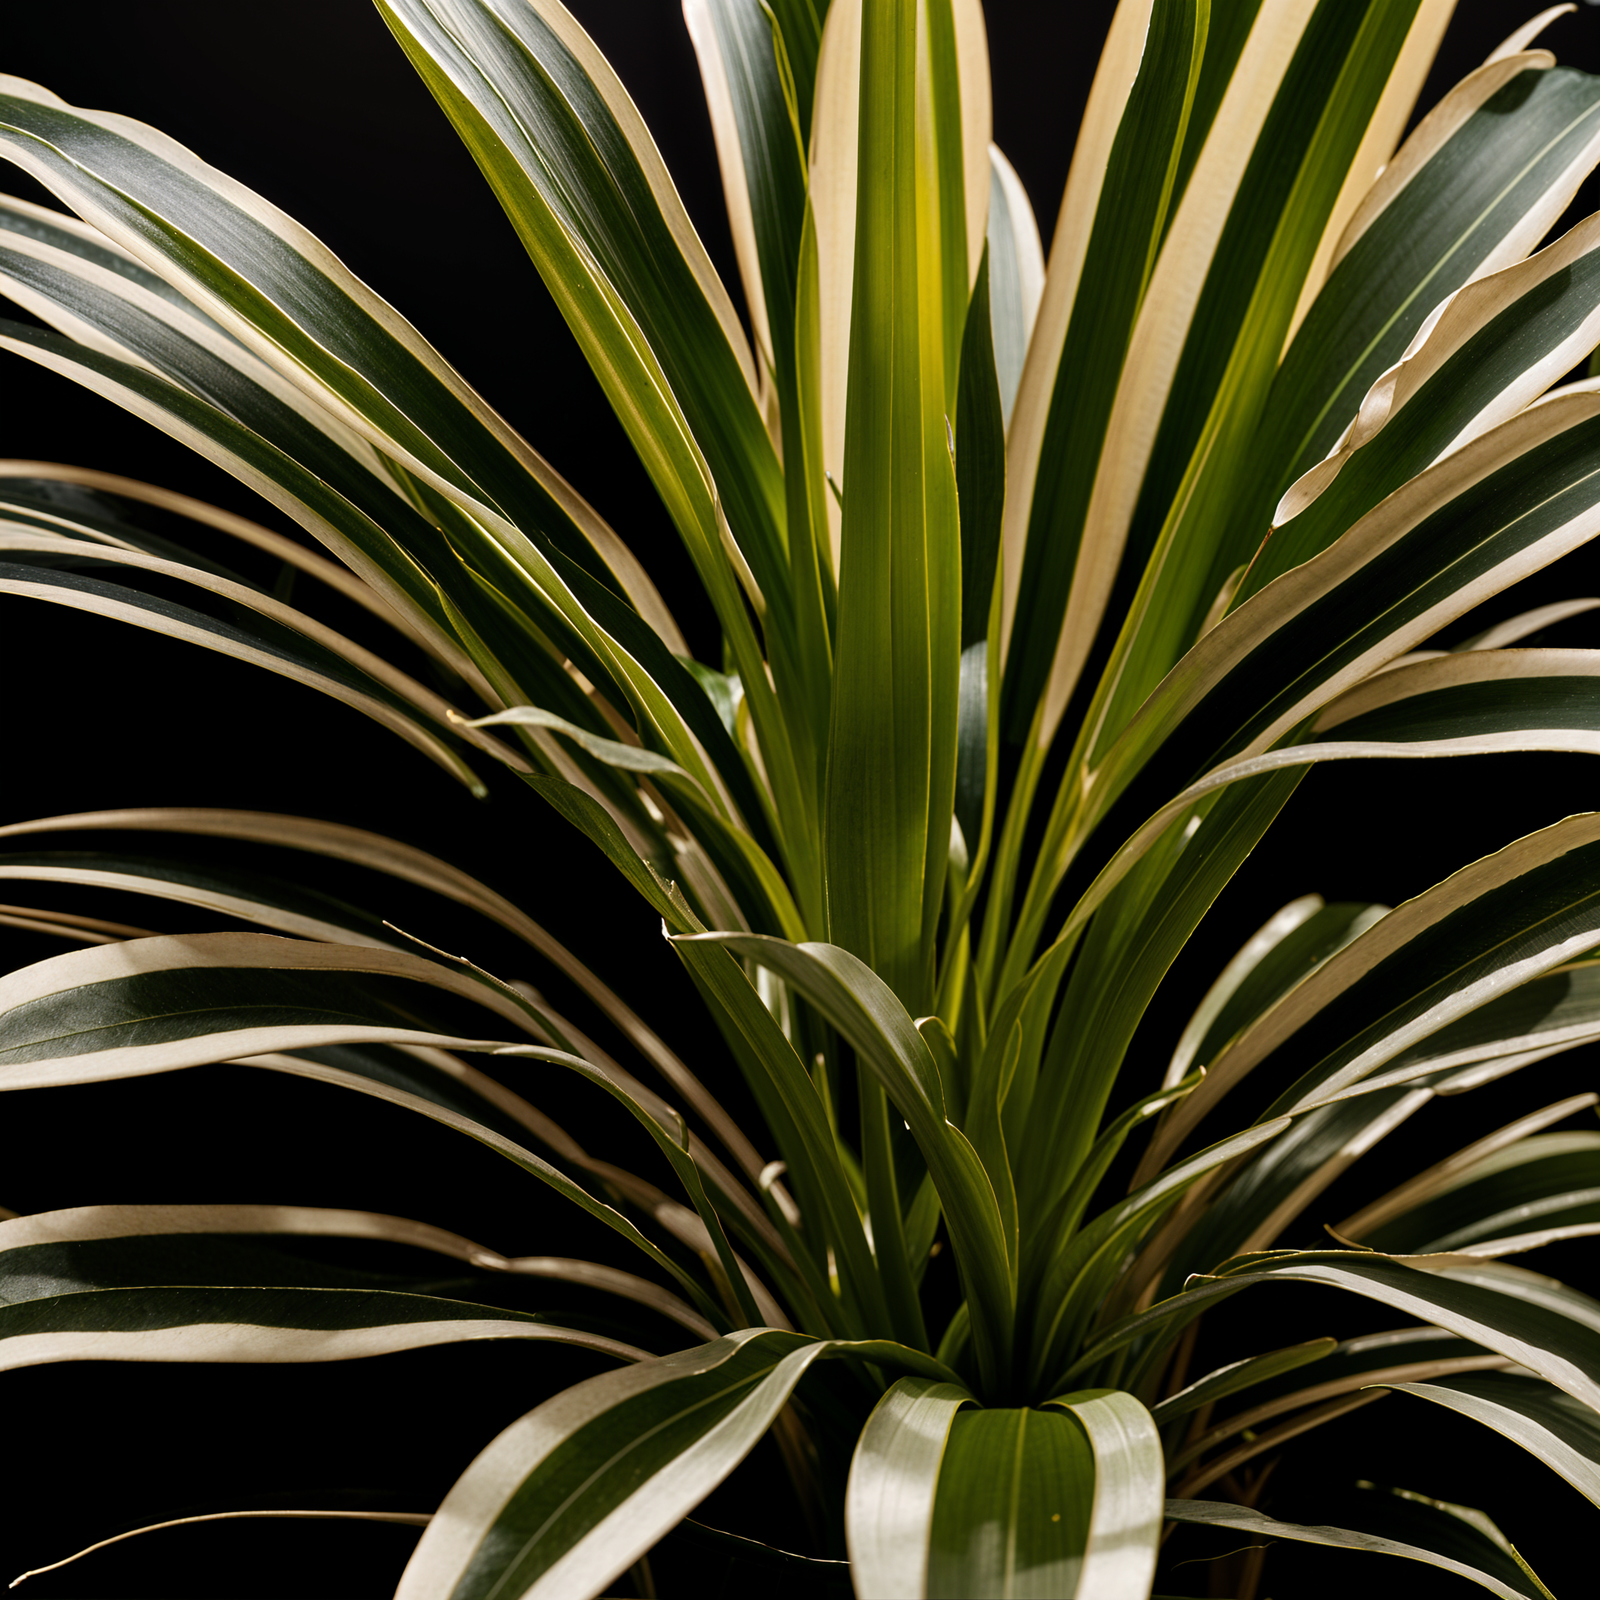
(1039, 590)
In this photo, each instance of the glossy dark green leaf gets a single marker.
(1453, 218)
(1480, 934)
(243, 262)
(78, 1286)
(1444, 1539)
(574, 1492)
(1136, 195)
(1288, 947)
(252, 628)
(1551, 1180)
(1560, 1431)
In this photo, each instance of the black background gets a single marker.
(311, 103)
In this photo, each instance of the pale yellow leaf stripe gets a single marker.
(1444, 1175)
(894, 1477)
(224, 904)
(1119, 1558)
(618, 1539)
(1091, 155)
(418, 1519)
(730, 160)
(1447, 329)
(1240, 1057)
(977, 123)
(1159, 336)
(110, 963)
(85, 930)
(1262, 1529)
(240, 1341)
(1377, 146)
(834, 160)
(1526, 622)
(618, 102)
(1457, 669)
(1430, 136)
(1265, 613)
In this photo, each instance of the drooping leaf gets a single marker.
(574, 1492)
(1445, 1540)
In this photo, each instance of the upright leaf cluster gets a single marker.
(1039, 590)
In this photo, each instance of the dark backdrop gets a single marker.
(310, 102)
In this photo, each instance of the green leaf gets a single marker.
(107, 509)
(1068, 1279)
(1482, 932)
(1547, 1341)
(763, 895)
(1136, 934)
(894, 1476)
(1012, 1509)
(1062, 417)
(1267, 1193)
(1220, 386)
(945, 1501)
(1551, 1180)
(1503, 506)
(553, 556)
(579, 1488)
(1239, 1375)
(980, 463)
(372, 852)
(980, 493)
(1272, 1385)
(1443, 1540)
(1439, 234)
(1440, 1177)
(563, 147)
(260, 631)
(860, 1005)
(793, 1110)
(112, 1285)
(1119, 1557)
(162, 1004)
(241, 261)
(892, 739)
(1560, 1431)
